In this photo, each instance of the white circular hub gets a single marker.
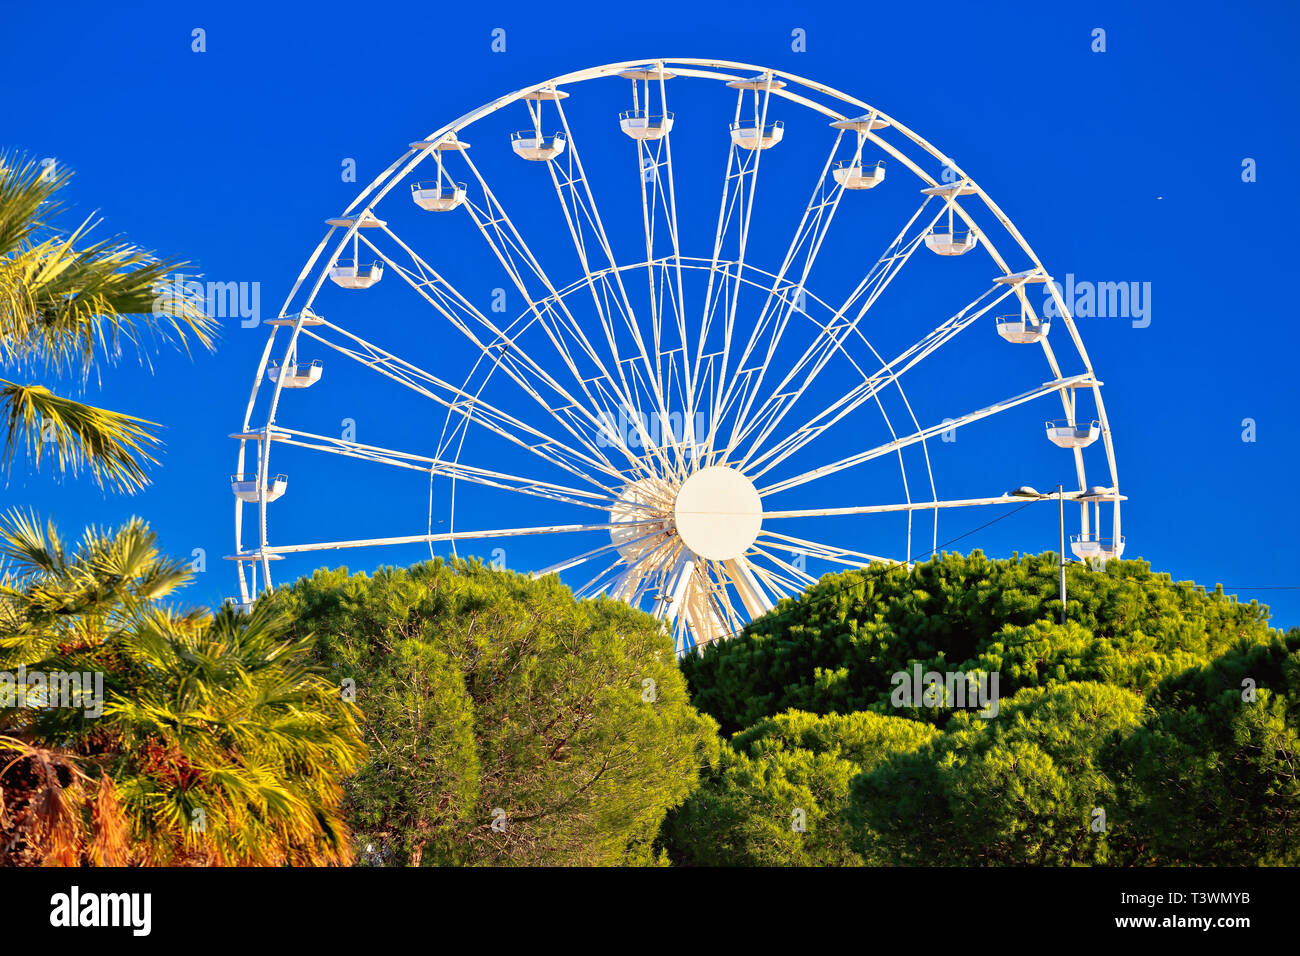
(718, 513)
(644, 500)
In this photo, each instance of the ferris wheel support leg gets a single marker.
(673, 595)
(752, 595)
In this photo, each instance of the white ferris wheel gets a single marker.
(691, 404)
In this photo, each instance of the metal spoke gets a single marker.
(447, 536)
(813, 549)
(922, 435)
(844, 405)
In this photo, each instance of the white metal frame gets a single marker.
(623, 366)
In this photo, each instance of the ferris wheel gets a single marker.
(693, 404)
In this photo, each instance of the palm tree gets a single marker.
(69, 305)
(219, 741)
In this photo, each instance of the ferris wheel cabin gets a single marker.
(349, 274)
(953, 243)
(1064, 434)
(1093, 547)
(853, 175)
(861, 124)
(1022, 329)
(246, 487)
(296, 375)
(532, 145)
(438, 197)
(750, 135)
(644, 126)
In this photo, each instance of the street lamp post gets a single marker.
(1060, 499)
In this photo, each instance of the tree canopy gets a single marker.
(508, 723)
(835, 648)
(1159, 725)
(778, 795)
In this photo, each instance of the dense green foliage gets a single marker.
(1213, 776)
(1024, 787)
(494, 699)
(833, 649)
(1161, 724)
(796, 763)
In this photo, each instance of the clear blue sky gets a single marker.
(1119, 166)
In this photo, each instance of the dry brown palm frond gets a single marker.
(110, 844)
(46, 820)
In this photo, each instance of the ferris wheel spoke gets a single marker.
(870, 388)
(442, 468)
(589, 589)
(828, 341)
(1003, 499)
(634, 577)
(809, 236)
(472, 408)
(585, 208)
(448, 537)
(709, 608)
(650, 163)
(632, 583)
(520, 366)
(516, 258)
(504, 348)
(933, 430)
(888, 266)
(677, 580)
(783, 578)
(576, 560)
(715, 605)
(734, 200)
(814, 549)
(753, 595)
(591, 212)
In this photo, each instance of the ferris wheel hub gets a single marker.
(718, 513)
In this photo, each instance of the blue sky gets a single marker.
(1117, 166)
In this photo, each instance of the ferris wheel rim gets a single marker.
(398, 172)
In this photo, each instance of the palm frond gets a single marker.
(221, 713)
(110, 444)
(26, 199)
(31, 549)
(85, 303)
(64, 303)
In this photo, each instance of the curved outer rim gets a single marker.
(690, 67)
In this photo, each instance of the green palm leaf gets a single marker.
(70, 305)
(110, 445)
